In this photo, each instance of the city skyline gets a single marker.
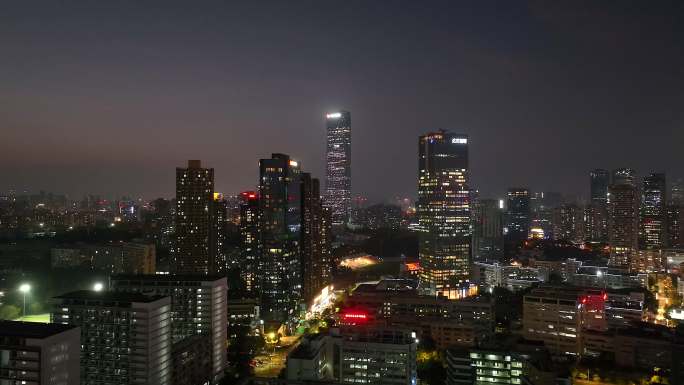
(522, 90)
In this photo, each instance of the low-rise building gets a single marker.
(525, 364)
(446, 321)
(369, 353)
(557, 315)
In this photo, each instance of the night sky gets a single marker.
(109, 97)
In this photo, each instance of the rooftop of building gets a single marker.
(168, 277)
(113, 296)
(562, 291)
(31, 329)
(387, 285)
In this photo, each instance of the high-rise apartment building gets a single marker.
(217, 234)
(596, 212)
(39, 354)
(193, 252)
(517, 219)
(279, 237)
(249, 239)
(197, 307)
(623, 220)
(125, 337)
(653, 213)
(568, 223)
(488, 240)
(674, 225)
(338, 167)
(443, 209)
(315, 239)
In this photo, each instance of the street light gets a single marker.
(98, 286)
(25, 288)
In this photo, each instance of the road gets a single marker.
(274, 362)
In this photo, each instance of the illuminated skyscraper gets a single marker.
(518, 214)
(653, 213)
(444, 209)
(193, 252)
(279, 237)
(623, 220)
(338, 167)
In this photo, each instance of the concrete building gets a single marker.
(623, 209)
(39, 354)
(488, 238)
(653, 213)
(192, 251)
(370, 354)
(197, 307)
(447, 321)
(119, 258)
(498, 365)
(280, 226)
(125, 337)
(518, 217)
(557, 316)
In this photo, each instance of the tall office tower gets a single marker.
(279, 237)
(338, 167)
(675, 215)
(194, 199)
(125, 337)
(315, 240)
(624, 176)
(517, 218)
(443, 209)
(249, 239)
(568, 223)
(39, 354)
(487, 230)
(596, 212)
(217, 233)
(623, 223)
(197, 308)
(653, 213)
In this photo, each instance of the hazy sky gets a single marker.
(110, 96)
